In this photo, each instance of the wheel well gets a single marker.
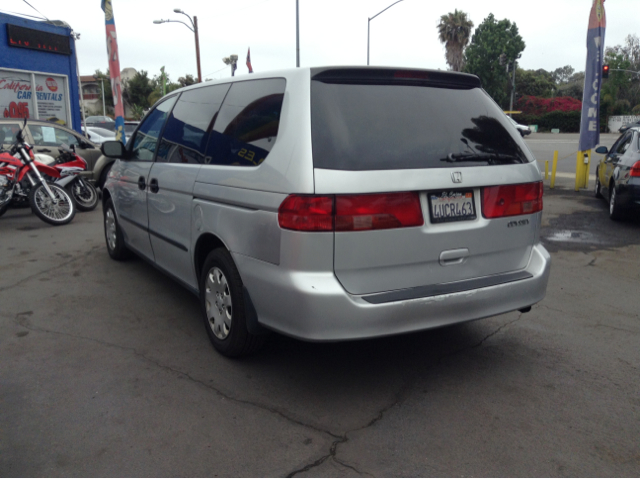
(205, 244)
(105, 197)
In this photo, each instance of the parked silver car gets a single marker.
(332, 203)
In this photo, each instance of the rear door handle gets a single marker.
(153, 185)
(142, 183)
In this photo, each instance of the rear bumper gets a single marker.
(315, 307)
(629, 194)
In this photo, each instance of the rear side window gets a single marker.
(185, 137)
(387, 126)
(247, 125)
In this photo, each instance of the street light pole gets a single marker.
(369, 25)
(194, 29)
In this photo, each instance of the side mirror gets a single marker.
(113, 149)
(602, 150)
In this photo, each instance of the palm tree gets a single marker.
(454, 30)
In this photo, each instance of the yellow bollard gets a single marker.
(554, 166)
(546, 169)
(579, 180)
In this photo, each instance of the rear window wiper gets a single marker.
(490, 157)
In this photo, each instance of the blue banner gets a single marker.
(590, 121)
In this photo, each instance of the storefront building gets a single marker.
(38, 74)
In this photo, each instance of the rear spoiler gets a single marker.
(395, 76)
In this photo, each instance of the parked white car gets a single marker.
(99, 135)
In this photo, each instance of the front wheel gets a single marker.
(615, 212)
(598, 188)
(113, 234)
(223, 308)
(56, 211)
(85, 195)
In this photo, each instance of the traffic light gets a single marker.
(605, 71)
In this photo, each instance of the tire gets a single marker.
(54, 214)
(223, 310)
(4, 208)
(85, 194)
(113, 234)
(598, 188)
(615, 212)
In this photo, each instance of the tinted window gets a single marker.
(185, 137)
(382, 127)
(143, 144)
(247, 125)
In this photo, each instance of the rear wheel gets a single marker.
(85, 194)
(57, 211)
(223, 311)
(113, 234)
(615, 212)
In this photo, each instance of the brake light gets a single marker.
(512, 200)
(635, 169)
(306, 213)
(350, 212)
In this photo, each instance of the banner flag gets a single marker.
(590, 121)
(114, 69)
(249, 60)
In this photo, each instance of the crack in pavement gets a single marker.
(61, 265)
(21, 320)
(401, 395)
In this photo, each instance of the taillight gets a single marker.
(350, 212)
(511, 200)
(306, 213)
(635, 169)
(378, 211)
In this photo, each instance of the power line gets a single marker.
(25, 1)
(22, 14)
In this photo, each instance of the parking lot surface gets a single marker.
(107, 371)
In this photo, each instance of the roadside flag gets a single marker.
(590, 121)
(114, 69)
(249, 60)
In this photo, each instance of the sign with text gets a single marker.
(590, 121)
(17, 96)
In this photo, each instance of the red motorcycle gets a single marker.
(20, 176)
(68, 167)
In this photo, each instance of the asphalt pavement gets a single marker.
(107, 371)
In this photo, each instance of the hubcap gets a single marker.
(58, 208)
(218, 303)
(110, 229)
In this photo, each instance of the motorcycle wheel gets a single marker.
(4, 208)
(56, 214)
(85, 195)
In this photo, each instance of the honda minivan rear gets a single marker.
(333, 203)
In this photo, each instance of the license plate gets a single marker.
(452, 206)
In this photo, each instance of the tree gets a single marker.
(136, 91)
(187, 80)
(482, 56)
(623, 87)
(534, 83)
(563, 74)
(454, 31)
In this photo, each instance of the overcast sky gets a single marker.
(332, 32)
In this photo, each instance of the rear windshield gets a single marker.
(388, 127)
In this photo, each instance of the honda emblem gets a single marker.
(456, 177)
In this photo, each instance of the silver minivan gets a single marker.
(332, 203)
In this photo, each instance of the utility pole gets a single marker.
(297, 35)
(513, 87)
(195, 28)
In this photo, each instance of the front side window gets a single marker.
(143, 144)
(624, 143)
(185, 137)
(246, 127)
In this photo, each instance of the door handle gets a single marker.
(153, 185)
(453, 256)
(142, 184)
